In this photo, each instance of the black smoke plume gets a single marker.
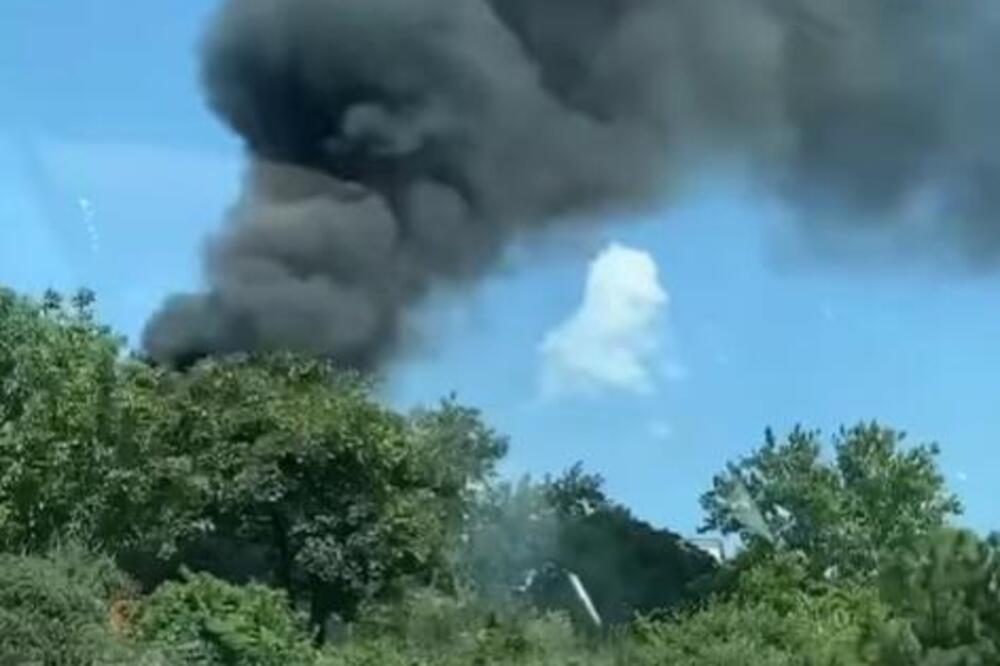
(397, 145)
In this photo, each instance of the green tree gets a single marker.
(57, 396)
(628, 566)
(282, 468)
(535, 533)
(458, 453)
(511, 531)
(274, 466)
(874, 496)
(944, 592)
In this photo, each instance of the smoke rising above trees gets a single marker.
(396, 146)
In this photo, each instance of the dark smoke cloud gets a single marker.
(397, 145)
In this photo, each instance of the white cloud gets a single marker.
(611, 341)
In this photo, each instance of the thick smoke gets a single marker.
(397, 145)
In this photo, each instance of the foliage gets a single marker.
(206, 622)
(297, 468)
(628, 566)
(874, 497)
(57, 388)
(532, 534)
(55, 610)
(945, 594)
(282, 468)
(816, 630)
(428, 628)
(511, 531)
(457, 455)
(275, 466)
(298, 495)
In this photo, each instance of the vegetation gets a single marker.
(58, 610)
(873, 498)
(203, 620)
(271, 510)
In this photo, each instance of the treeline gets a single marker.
(270, 509)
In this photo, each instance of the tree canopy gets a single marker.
(275, 467)
(843, 513)
(225, 512)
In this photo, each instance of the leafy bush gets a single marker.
(55, 610)
(429, 629)
(822, 630)
(205, 621)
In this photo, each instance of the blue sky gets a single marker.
(100, 102)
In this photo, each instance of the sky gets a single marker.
(651, 349)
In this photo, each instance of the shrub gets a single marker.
(54, 610)
(813, 630)
(203, 620)
(430, 629)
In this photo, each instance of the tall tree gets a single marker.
(629, 566)
(874, 496)
(271, 466)
(944, 591)
(57, 396)
(284, 468)
(569, 524)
